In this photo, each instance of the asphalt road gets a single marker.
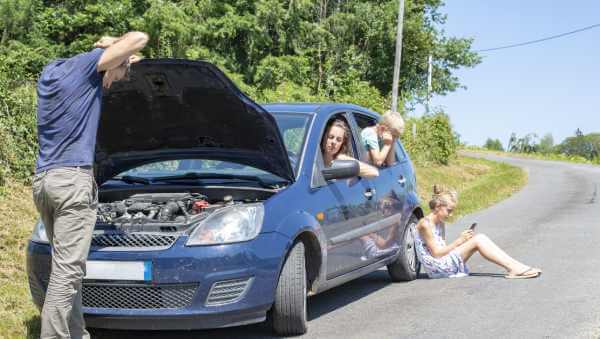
(553, 223)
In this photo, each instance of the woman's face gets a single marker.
(444, 211)
(334, 139)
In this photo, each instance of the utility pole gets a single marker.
(398, 58)
(429, 62)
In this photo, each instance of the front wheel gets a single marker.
(406, 266)
(289, 309)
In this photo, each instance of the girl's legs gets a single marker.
(490, 251)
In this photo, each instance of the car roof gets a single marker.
(319, 109)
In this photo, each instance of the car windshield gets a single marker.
(293, 128)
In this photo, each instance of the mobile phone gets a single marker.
(473, 226)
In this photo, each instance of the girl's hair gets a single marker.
(442, 197)
(341, 124)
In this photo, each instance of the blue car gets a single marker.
(215, 211)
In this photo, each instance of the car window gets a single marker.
(363, 121)
(317, 177)
(182, 166)
(293, 129)
(350, 144)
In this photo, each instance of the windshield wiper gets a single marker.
(200, 176)
(132, 179)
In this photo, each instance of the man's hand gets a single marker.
(105, 42)
(135, 59)
(121, 50)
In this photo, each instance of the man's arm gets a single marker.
(120, 49)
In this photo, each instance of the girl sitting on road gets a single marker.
(441, 260)
(335, 146)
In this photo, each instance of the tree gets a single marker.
(587, 146)
(493, 145)
(526, 144)
(546, 144)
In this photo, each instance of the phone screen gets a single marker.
(473, 226)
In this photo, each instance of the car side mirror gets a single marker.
(341, 169)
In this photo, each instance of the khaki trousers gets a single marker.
(66, 199)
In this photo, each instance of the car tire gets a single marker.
(406, 266)
(288, 314)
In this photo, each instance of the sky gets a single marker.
(548, 87)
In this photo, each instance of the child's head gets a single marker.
(393, 122)
(443, 197)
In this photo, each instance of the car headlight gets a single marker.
(230, 224)
(39, 233)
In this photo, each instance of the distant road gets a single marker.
(553, 223)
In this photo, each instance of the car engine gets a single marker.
(156, 211)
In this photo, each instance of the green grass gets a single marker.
(18, 316)
(480, 183)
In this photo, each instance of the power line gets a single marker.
(539, 40)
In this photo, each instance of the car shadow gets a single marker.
(322, 304)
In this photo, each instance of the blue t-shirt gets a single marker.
(370, 139)
(69, 98)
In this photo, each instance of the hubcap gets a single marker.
(409, 249)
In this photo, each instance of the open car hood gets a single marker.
(172, 109)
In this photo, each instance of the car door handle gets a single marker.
(369, 193)
(402, 180)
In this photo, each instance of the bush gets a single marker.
(18, 134)
(434, 140)
(493, 145)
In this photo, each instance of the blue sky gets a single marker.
(549, 87)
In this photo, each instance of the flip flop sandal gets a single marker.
(527, 274)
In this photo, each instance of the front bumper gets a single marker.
(257, 261)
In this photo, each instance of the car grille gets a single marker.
(133, 240)
(227, 291)
(138, 296)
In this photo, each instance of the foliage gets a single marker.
(493, 145)
(586, 146)
(434, 140)
(275, 50)
(546, 145)
(526, 144)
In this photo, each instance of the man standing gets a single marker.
(64, 189)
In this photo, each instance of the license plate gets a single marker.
(118, 270)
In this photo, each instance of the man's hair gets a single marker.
(394, 122)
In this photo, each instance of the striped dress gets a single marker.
(449, 266)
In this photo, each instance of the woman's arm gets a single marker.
(365, 170)
(436, 250)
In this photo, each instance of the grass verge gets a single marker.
(18, 316)
(480, 183)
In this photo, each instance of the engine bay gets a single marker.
(166, 212)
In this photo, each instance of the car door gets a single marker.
(344, 206)
(390, 186)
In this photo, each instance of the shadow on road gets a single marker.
(324, 303)
(493, 275)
